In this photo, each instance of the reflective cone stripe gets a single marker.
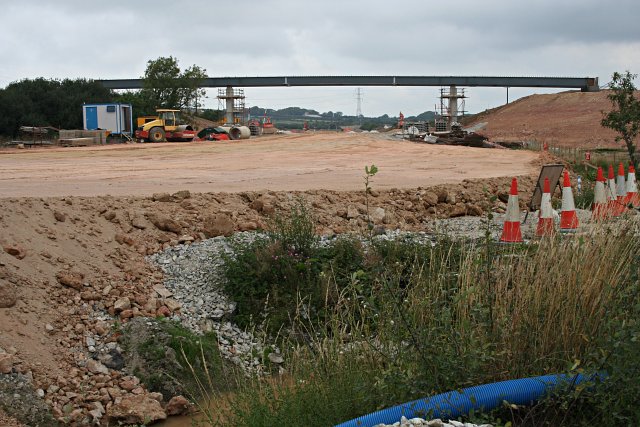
(621, 191)
(568, 217)
(511, 232)
(621, 186)
(545, 220)
(611, 192)
(632, 188)
(600, 210)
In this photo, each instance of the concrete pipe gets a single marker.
(239, 132)
(182, 128)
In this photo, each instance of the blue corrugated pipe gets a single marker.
(486, 397)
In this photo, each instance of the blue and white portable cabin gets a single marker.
(114, 117)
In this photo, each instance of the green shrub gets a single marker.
(399, 320)
(170, 359)
(267, 276)
(295, 232)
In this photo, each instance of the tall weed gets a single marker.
(396, 321)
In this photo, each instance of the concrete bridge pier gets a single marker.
(228, 118)
(453, 105)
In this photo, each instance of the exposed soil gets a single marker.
(64, 260)
(570, 119)
(7, 421)
(323, 160)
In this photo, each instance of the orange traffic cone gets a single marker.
(632, 197)
(611, 193)
(621, 190)
(600, 210)
(545, 220)
(568, 217)
(511, 232)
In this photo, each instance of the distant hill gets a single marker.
(294, 117)
(427, 116)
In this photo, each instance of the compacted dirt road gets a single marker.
(280, 163)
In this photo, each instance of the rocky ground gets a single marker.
(75, 270)
(72, 270)
(404, 422)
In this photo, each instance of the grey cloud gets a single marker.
(115, 39)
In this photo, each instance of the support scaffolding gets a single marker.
(234, 105)
(452, 108)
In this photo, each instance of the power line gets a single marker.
(359, 103)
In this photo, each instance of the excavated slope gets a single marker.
(570, 119)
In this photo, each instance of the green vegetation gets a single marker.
(58, 103)
(166, 86)
(295, 117)
(366, 326)
(575, 158)
(624, 118)
(42, 102)
(369, 173)
(170, 359)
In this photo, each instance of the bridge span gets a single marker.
(585, 84)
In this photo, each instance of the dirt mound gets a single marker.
(81, 268)
(200, 123)
(570, 119)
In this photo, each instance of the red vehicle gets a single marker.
(213, 134)
(262, 126)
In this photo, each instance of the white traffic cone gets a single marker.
(611, 193)
(600, 204)
(632, 197)
(545, 220)
(621, 191)
(511, 232)
(568, 216)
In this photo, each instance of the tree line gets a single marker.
(57, 103)
(42, 102)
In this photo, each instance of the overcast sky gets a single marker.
(115, 39)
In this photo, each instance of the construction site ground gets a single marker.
(76, 223)
(323, 160)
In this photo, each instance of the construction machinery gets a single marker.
(142, 120)
(262, 126)
(168, 126)
(213, 134)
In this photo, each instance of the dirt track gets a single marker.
(291, 162)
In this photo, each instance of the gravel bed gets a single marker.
(404, 422)
(192, 272)
(19, 399)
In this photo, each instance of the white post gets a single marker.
(229, 105)
(453, 105)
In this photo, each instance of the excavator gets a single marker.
(166, 127)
